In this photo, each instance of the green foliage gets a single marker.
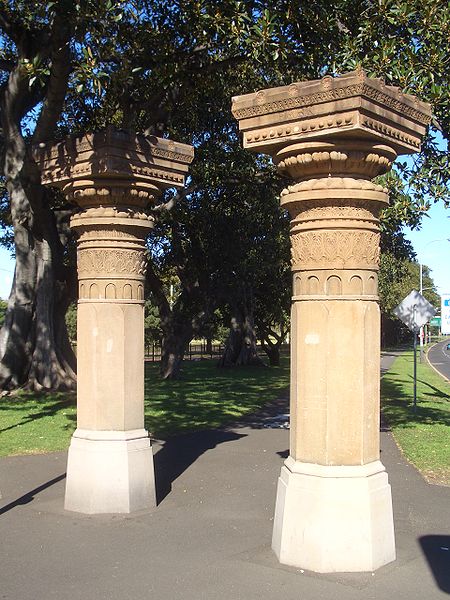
(171, 68)
(407, 43)
(424, 437)
(71, 322)
(397, 278)
(152, 326)
(3, 307)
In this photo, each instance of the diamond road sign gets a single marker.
(415, 311)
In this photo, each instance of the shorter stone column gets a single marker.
(332, 137)
(114, 178)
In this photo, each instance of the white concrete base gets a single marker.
(110, 472)
(333, 519)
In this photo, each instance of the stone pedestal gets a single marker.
(114, 178)
(332, 137)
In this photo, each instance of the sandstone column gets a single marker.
(332, 137)
(114, 178)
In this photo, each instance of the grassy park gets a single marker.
(207, 397)
(424, 436)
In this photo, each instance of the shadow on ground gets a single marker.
(436, 549)
(180, 452)
(29, 496)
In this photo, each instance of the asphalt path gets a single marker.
(439, 358)
(209, 538)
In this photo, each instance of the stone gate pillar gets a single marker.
(114, 178)
(332, 137)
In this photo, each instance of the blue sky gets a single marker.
(432, 247)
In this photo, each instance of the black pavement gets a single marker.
(209, 538)
(439, 358)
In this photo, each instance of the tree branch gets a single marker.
(7, 65)
(181, 195)
(56, 94)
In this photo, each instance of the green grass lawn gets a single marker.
(423, 437)
(205, 397)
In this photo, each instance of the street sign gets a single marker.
(435, 322)
(445, 314)
(415, 311)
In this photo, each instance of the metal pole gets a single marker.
(415, 372)
(421, 327)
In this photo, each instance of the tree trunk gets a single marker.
(176, 338)
(273, 354)
(271, 347)
(240, 347)
(34, 347)
(35, 351)
(178, 323)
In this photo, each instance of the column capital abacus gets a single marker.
(351, 107)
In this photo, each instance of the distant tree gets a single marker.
(3, 308)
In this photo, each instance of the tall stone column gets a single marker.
(114, 178)
(332, 137)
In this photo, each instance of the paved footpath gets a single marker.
(209, 538)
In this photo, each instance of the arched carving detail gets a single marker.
(127, 292)
(334, 286)
(313, 285)
(356, 285)
(94, 292)
(110, 291)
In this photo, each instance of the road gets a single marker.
(439, 358)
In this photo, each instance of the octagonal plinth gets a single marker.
(332, 137)
(114, 178)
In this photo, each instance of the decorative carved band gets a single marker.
(312, 211)
(103, 261)
(326, 183)
(294, 129)
(111, 289)
(391, 132)
(93, 235)
(262, 107)
(352, 284)
(335, 249)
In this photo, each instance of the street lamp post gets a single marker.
(422, 289)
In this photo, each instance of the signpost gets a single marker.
(415, 311)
